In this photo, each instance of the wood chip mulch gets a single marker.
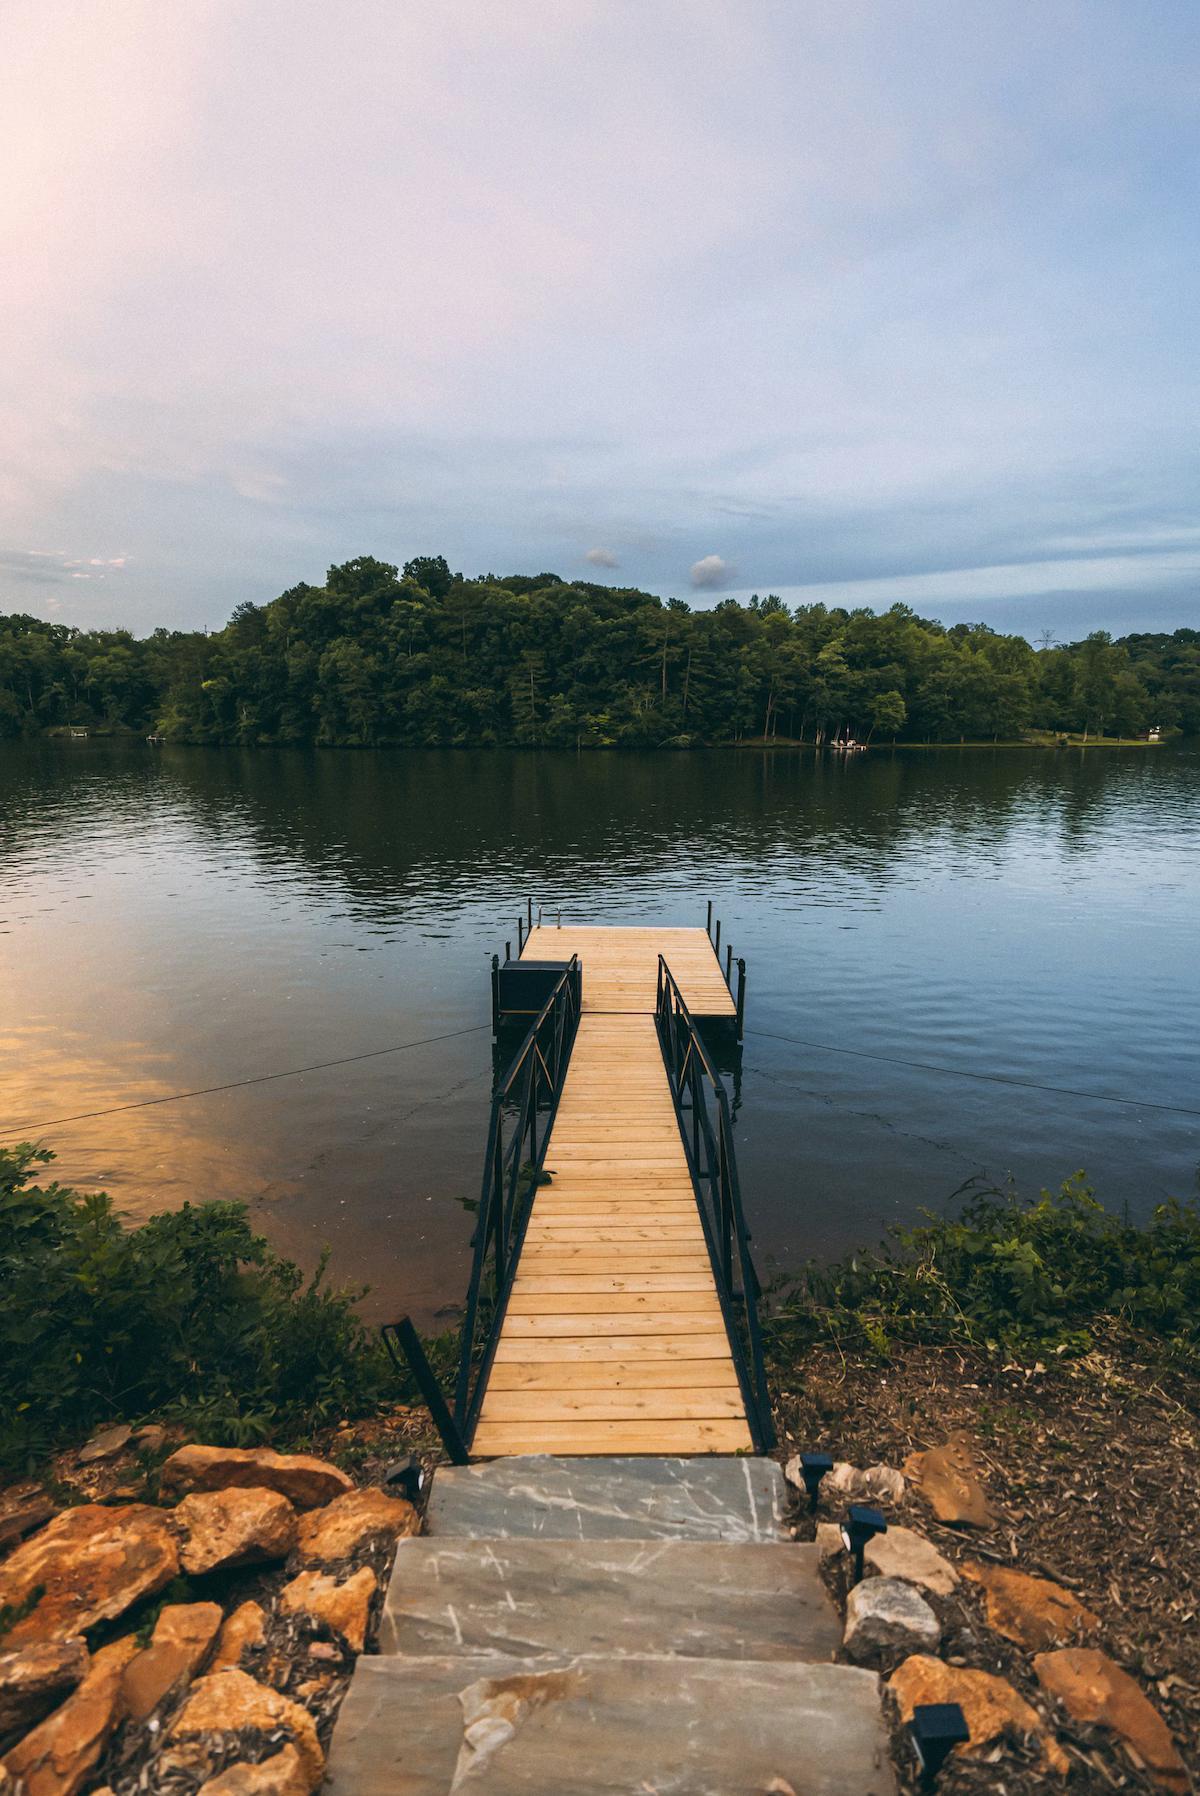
(1093, 1469)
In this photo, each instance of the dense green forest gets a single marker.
(425, 657)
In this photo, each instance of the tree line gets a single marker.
(380, 656)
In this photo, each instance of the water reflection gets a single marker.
(175, 918)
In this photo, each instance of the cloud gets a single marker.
(964, 345)
(49, 566)
(712, 572)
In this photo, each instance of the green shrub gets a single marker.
(1011, 1274)
(190, 1315)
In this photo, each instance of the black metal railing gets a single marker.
(738, 994)
(523, 1107)
(702, 1106)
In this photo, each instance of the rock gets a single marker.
(282, 1775)
(105, 1445)
(829, 1540)
(350, 1522)
(1034, 1612)
(884, 1484)
(1092, 1689)
(234, 1527)
(182, 1640)
(23, 1508)
(150, 1439)
(35, 1679)
(226, 1701)
(845, 1484)
(947, 1479)
(346, 1608)
(885, 1616)
(903, 1553)
(58, 1757)
(246, 1627)
(91, 1564)
(990, 1704)
(308, 1482)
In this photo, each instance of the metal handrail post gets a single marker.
(410, 1345)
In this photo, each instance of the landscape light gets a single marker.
(813, 1467)
(936, 1727)
(407, 1476)
(861, 1525)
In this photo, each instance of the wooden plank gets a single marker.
(619, 1405)
(648, 1373)
(520, 1347)
(560, 1283)
(683, 1305)
(616, 1324)
(726, 1435)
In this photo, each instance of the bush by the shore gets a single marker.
(1008, 1274)
(190, 1316)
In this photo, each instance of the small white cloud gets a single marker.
(712, 571)
(602, 558)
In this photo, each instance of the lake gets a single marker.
(180, 918)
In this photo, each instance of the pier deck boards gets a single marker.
(614, 1340)
(620, 966)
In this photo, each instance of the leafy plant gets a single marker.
(189, 1316)
(1009, 1273)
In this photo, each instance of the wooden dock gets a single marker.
(614, 1340)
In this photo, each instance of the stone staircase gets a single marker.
(609, 1627)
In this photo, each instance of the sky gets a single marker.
(850, 300)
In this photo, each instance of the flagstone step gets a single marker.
(620, 1498)
(528, 1597)
(578, 1726)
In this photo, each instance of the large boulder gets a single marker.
(246, 1627)
(1094, 1690)
(1034, 1612)
(281, 1775)
(352, 1522)
(182, 1640)
(58, 1757)
(35, 1679)
(345, 1607)
(90, 1565)
(234, 1527)
(903, 1553)
(226, 1702)
(305, 1481)
(889, 1619)
(991, 1706)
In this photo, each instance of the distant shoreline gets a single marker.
(758, 744)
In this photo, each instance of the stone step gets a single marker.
(608, 1727)
(736, 1500)
(523, 1598)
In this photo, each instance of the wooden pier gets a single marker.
(614, 1339)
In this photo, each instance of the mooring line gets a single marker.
(955, 1072)
(292, 1072)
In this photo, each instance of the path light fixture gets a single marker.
(406, 1476)
(935, 1728)
(813, 1467)
(861, 1525)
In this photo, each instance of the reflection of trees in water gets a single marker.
(460, 829)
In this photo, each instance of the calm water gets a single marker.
(179, 918)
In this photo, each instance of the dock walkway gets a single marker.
(614, 1340)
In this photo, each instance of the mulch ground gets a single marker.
(1092, 1467)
